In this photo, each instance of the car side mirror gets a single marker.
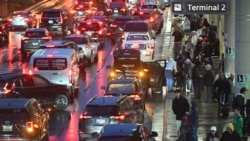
(153, 134)
(103, 87)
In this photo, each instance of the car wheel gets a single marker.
(61, 102)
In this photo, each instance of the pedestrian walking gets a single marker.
(180, 107)
(239, 101)
(193, 120)
(170, 70)
(208, 83)
(238, 122)
(178, 35)
(197, 76)
(231, 94)
(213, 134)
(230, 134)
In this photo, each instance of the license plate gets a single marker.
(115, 11)
(34, 43)
(7, 128)
(50, 21)
(89, 33)
(100, 121)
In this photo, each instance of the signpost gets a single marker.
(200, 6)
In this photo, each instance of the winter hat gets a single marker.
(230, 126)
(213, 128)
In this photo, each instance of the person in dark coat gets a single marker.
(213, 134)
(193, 120)
(230, 134)
(197, 77)
(180, 107)
(208, 83)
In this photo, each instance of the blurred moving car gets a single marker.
(126, 132)
(31, 40)
(88, 45)
(104, 110)
(23, 119)
(22, 19)
(21, 85)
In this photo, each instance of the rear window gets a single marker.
(77, 40)
(34, 34)
(137, 37)
(136, 46)
(89, 26)
(51, 14)
(148, 7)
(121, 88)
(50, 63)
(136, 27)
(23, 14)
(121, 22)
(96, 110)
(14, 115)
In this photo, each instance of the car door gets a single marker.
(25, 87)
(156, 72)
(45, 88)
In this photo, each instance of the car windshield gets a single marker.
(102, 110)
(148, 7)
(34, 34)
(77, 40)
(118, 88)
(137, 37)
(121, 22)
(89, 26)
(51, 14)
(50, 63)
(135, 27)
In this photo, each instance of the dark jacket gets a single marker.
(211, 136)
(180, 107)
(239, 102)
(223, 86)
(226, 136)
(194, 115)
(177, 36)
(208, 78)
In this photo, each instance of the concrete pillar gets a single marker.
(229, 39)
(3, 8)
(242, 44)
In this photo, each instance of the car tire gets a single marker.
(61, 102)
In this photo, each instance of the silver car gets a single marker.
(22, 19)
(88, 45)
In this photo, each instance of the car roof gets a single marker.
(7, 76)
(138, 33)
(54, 10)
(136, 26)
(76, 35)
(62, 52)
(56, 43)
(36, 29)
(14, 103)
(105, 100)
(120, 129)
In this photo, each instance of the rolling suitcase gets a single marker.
(223, 107)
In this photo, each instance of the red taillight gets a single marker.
(120, 117)
(88, 23)
(113, 25)
(78, 32)
(141, 13)
(10, 20)
(25, 38)
(135, 97)
(91, 2)
(151, 19)
(46, 38)
(29, 126)
(26, 19)
(80, 6)
(50, 46)
(100, 32)
(50, 56)
(84, 116)
(148, 53)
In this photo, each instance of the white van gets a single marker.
(57, 65)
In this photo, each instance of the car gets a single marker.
(4, 31)
(31, 40)
(88, 45)
(20, 85)
(138, 26)
(94, 29)
(60, 66)
(126, 132)
(116, 25)
(57, 21)
(130, 87)
(117, 8)
(140, 37)
(145, 10)
(59, 44)
(104, 110)
(23, 119)
(22, 19)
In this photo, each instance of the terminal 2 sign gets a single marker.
(200, 6)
